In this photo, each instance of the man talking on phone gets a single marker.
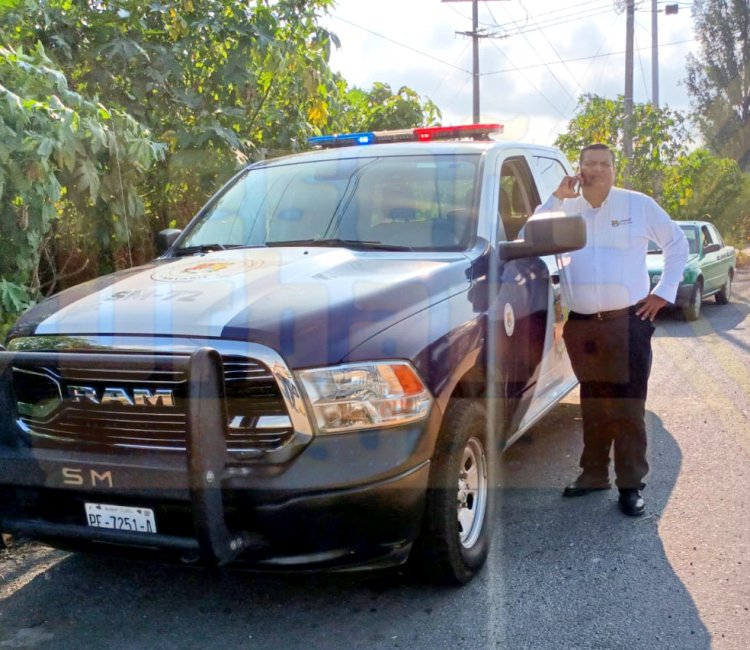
(608, 332)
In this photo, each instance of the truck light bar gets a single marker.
(420, 134)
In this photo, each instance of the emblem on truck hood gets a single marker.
(121, 396)
(191, 271)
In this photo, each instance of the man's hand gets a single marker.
(569, 188)
(649, 307)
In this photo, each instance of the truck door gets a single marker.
(556, 376)
(519, 311)
(526, 317)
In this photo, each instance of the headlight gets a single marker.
(365, 395)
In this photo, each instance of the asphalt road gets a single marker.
(563, 573)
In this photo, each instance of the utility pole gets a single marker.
(475, 36)
(627, 138)
(654, 55)
(475, 59)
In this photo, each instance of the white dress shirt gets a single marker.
(610, 272)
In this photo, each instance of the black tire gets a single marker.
(692, 310)
(455, 538)
(725, 293)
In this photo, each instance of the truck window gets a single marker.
(549, 173)
(423, 202)
(518, 196)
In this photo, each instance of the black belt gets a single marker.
(604, 315)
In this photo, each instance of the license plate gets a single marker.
(102, 515)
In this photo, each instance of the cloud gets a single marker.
(537, 77)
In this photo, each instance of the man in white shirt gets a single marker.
(608, 332)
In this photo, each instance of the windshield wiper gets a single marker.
(343, 243)
(204, 248)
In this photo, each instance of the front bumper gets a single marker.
(684, 291)
(341, 501)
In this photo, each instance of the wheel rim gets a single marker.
(698, 300)
(728, 288)
(694, 309)
(472, 492)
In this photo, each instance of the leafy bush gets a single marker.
(59, 150)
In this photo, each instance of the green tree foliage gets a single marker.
(59, 150)
(659, 139)
(220, 82)
(380, 108)
(705, 187)
(217, 82)
(689, 185)
(718, 79)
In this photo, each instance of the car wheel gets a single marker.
(692, 310)
(725, 293)
(455, 537)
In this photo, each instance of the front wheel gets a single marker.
(725, 293)
(692, 310)
(455, 538)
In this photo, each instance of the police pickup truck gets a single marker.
(318, 373)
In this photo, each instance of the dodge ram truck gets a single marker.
(319, 372)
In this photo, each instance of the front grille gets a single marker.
(256, 414)
(122, 409)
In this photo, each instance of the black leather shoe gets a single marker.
(585, 484)
(631, 502)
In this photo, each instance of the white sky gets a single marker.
(546, 55)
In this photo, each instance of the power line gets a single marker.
(605, 43)
(560, 83)
(548, 24)
(554, 21)
(582, 58)
(531, 83)
(640, 64)
(404, 45)
(557, 54)
(447, 74)
(549, 16)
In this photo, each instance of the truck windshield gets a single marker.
(420, 202)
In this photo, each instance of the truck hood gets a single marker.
(313, 305)
(655, 262)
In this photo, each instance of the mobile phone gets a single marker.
(576, 187)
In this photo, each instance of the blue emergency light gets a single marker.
(343, 139)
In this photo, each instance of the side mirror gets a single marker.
(711, 248)
(546, 234)
(165, 238)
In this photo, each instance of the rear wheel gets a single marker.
(725, 293)
(692, 310)
(455, 537)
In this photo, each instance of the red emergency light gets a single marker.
(474, 131)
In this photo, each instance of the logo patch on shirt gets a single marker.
(620, 222)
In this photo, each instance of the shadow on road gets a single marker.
(599, 579)
(564, 573)
(714, 319)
